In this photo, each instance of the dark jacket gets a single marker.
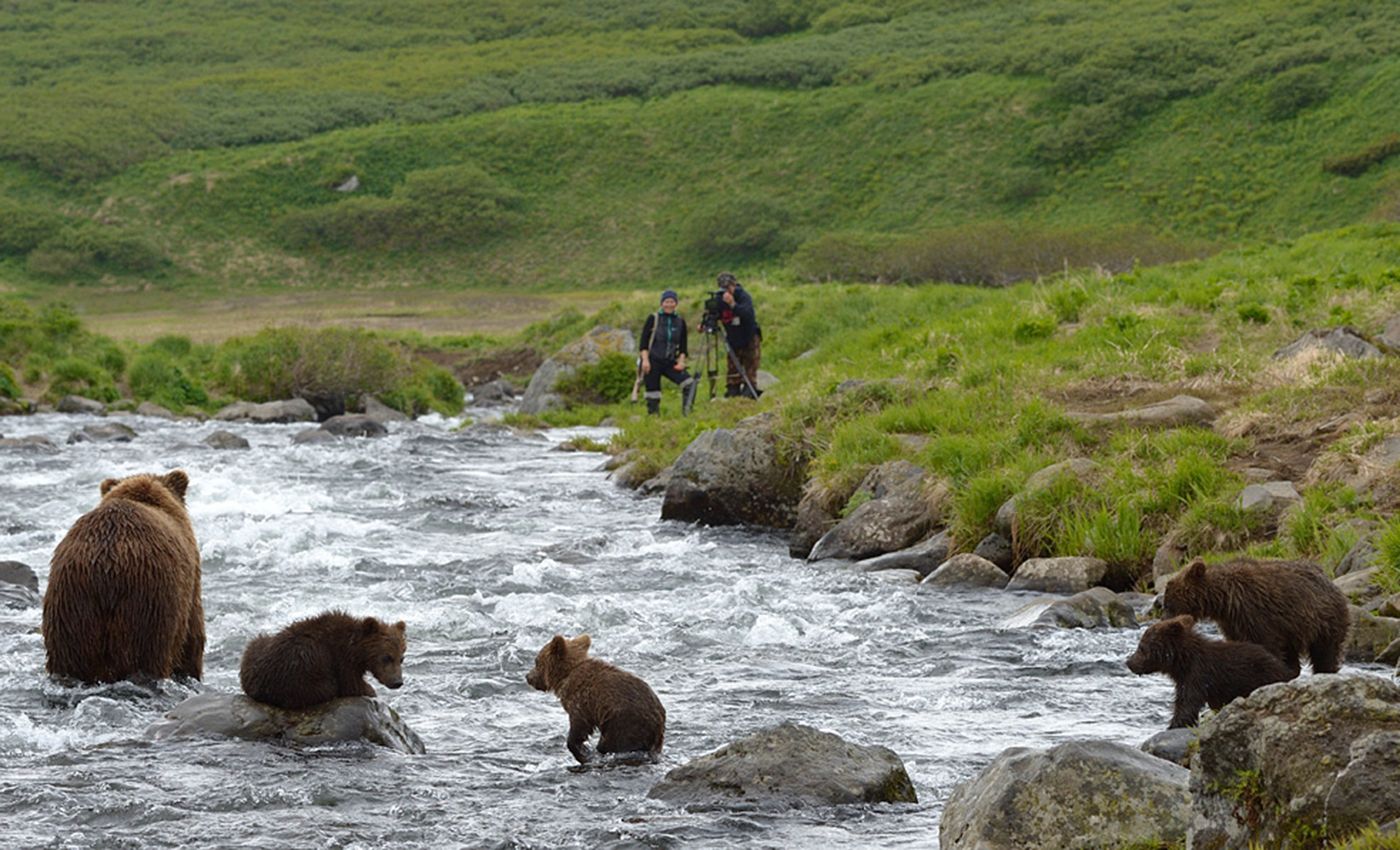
(740, 324)
(664, 336)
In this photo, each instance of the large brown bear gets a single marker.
(1287, 607)
(123, 598)
(318, 659)
(597, 695)
(1206, 672)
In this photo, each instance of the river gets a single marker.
(487, 544)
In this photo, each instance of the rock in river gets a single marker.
(236, 716)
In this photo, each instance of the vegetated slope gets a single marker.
(591, 142)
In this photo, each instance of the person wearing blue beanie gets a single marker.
(663, 354)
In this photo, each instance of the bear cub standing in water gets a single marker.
(597, 695)
(1205, 671)
(320, 658)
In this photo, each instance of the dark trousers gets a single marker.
(667, 369)
(748, 358)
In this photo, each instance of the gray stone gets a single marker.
(79, 404)
(967, 570)
(1343, 341)
(1175, 412)
(766, 381)
(1080, 468)
(657, 484)
(236, 716)
(1361, 556)
(34, 442)
(15, 406)
(381, 412)
(1268, 765)
(1271, 496)
(272, 412)
(817, 513)
(314, 437)
(1167, 560)
(897, 576)
(355, 425)
(788, 765)
(19, 575)
(540, 395)
(1079, 794)
(904, 506)
(1360, 586)
(492, 393)
(1058, 575)
(105, 432)
(15, 596)
(1174, 745)
(1372, 638)
(1389, 337)
(997, 549)
(734, 476)
(1095, 608)
(922, 557)
(350, 184)
(153, 410)
(225, 440)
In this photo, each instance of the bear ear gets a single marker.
(400, 626)
(369, 626)
(581, 644)
(178, 482)
(106, 486)
(557, 645)
(1187, 622)
(1197, 570)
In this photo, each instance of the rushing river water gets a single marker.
(487, 545)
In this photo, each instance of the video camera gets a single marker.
(713, 317)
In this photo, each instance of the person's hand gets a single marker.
(646, 365)
(728, 298)
(680, 363)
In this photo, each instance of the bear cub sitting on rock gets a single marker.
(321, 658)
(1287, 607)
(597, 695)
(1205, 671)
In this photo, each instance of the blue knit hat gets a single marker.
(671, 294)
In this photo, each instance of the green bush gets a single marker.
(843, 256)
(156, 376)
(360, 223)
(1033, 330)
(1254, 313)
(848, 15)
(1079, 135)
(1295, 90)
(1388, 556)
(23, 228)
(737, 227)
(78, 250)
(76, 376)
(605, 382)
(8, 387)
(1358, 163)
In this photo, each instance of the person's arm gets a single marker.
(644, 345)
(684, 350)
(743, 308)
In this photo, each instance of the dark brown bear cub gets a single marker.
(123, 598)
(1287, 607)
(597, 695)
(320, 658)
(1206, 672)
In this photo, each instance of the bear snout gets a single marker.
(1137, 663)
(396, 684)
(535, 680)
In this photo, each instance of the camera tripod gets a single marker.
(710, 358)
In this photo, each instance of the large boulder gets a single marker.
(540, 395)
(355, 425)
(1174, 745)
(381, 412)
(15, 406)
(966, 570)
(1343, 341)
(80, 404)
(19, 587)
(225, 440)
(1298, 764)
(33, 442)
(1389, 337)
(789, 765)
(492, 393)
(1095, 608)
(817, 513)
(1058, 575)
(236, 716)
(735, 476)
(997, 549)
(1362, 555)
(271, 412)
(153, 410)
(103, 432)
(923, 557)
(1074, 796)
(1373, 638)
(1175, 412)
(904, 505)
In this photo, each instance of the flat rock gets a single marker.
(381, 412)
(1271, 496)
(493, 393)
(1175, 412)
(153, 410)
(788, 765)
(14, 596)
(1079, 794)
(80, 404)
(355, 425)
(1359, 586)
(104, 432)
(18, 574)
(236, 716)
(1174, 745)
(1343, 341)
(314, 437)
(902, 509)
(34, 442)
(1058, 575)
(922, 557)
(1095, 608)
(225, 440)
(272, 412)
(967, 570)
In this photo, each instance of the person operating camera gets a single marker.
(744, 335)
(664, 352)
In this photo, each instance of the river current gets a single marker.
(487, 544)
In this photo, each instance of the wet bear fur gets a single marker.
(321, 658)
(1288, 607)
(1206, 672)
(597, 695)
(123, 598)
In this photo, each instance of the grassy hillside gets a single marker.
(500, 144)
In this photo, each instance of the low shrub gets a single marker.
(848, 15)
(77, 376)
(24, 228)
(156, 376)
(737, 227)
(608, 381)
(1253, 313)
(9, 388)
(1358, 163)
(80, 250)
(1295, 90)
(1388, 556)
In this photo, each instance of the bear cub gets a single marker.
(597, 695)
(1288, 607)
(1206, 672)
(321, 658)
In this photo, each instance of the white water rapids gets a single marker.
(487, 545)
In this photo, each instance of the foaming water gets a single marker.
(487, 544)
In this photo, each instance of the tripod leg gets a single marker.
(739, 367)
